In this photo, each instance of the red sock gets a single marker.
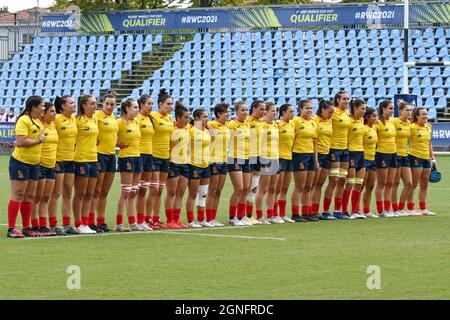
(345, 200)
(53, 222)
(275, 208)
(77, 223)
(119, 219)
(148, 219)
(356, 197)
(306, 210)
(209, 215)
(66, 221)
(85, 220)
(401, 206)
(259, 214)
(366, 210)
(190, 216)
(35, 223)
(282, 205)
(214, 216)
(269, 213)
(387, 205)
(241, 210)
(176, 214)
(169, 215)
(201, 215)
(337, 204)
(100, 221)
(232, 212)
(131, 219)
(395, 206)
(422, 205)
(249, 210)
(25, 210)
(379, 206)
(315, 208)
(141, 218)
(326, 205)
(155, 219)
(43, 222)
(91, 218)
(295, 210)
(13, 212)
(410, 206)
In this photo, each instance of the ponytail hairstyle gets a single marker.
(163, 96)
(143, 99)
(356, 103)
(124, 105)
(416, 113)
(383, 105)
(338, 96)
(368, 114)
(111, 94)
(301, 105)
(238, 105)
(196, 114)
(220, 108)
(255, 104)
(82, 100)
(59, 101)
(283, 109)
(180, 109)
(32, 102)
(323, 104)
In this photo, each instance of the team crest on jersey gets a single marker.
(82, 171)
(20, 174)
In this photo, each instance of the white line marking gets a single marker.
(225, 236)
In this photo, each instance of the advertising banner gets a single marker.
(7, 132)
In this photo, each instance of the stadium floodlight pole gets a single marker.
(406, 44)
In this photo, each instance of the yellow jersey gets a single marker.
(147, 132)
(130, 134)
(286, 138)
(356, 135)
(386, 136)
(200, 142)
(31, 129)
(163, 130)
(270, 141)
(219, 141)
(324, 133)
(305, 133)
(107, 132)
(239, 139)
(341, 122)
(179, 146)
(402, 136)
(255, 126)
(86, 141)
(370, 142)
(49, 146)
(420, 138)
(67, 133)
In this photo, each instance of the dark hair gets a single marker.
(81, 101)
(338, 96)
(416, 113)
(383, 105)
(163, 96)
(270, 104)
(356, 103)
(196, 114)
(180, 109)
(32, 101)
(48, 105)
(255, 104)
(284, 108)
(143, 99)
(220, 108)
(368, 114)
(59, 101)
(125, 104)
(238, 105)
(111, 94)
(402, 105)
(301, 104)
(323, 104)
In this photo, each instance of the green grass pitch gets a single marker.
(324, 260)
